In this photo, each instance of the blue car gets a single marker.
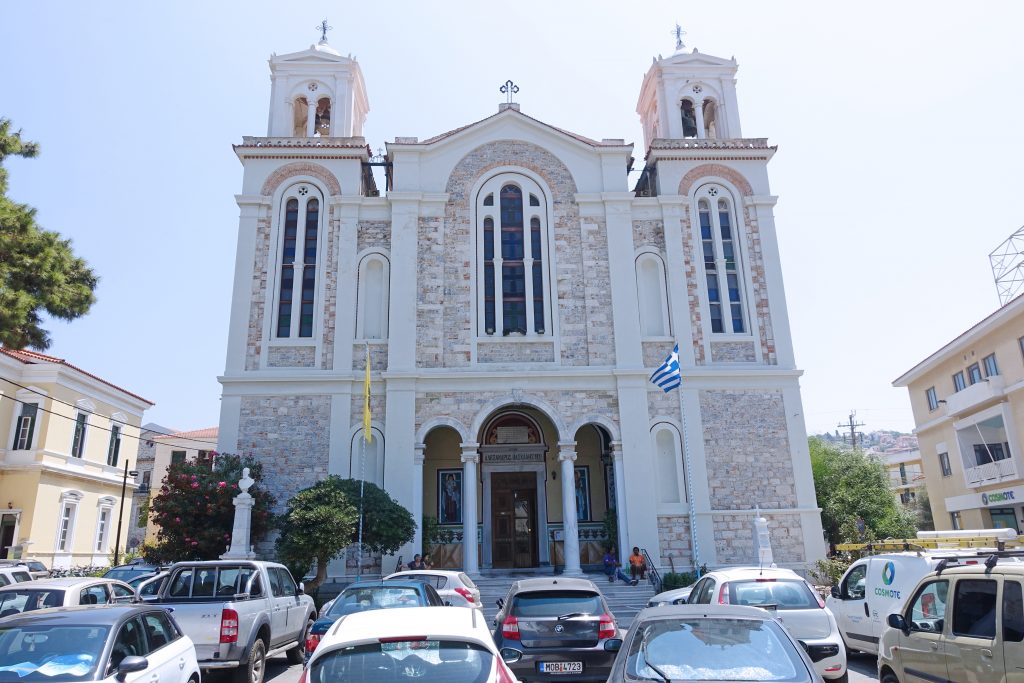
(369, 595)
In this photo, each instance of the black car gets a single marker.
(557, 628)
(709, 643)
(95, 643)
(368, 595)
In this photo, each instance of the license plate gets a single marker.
(561, 667)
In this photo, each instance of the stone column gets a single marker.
(620, 498)
(698, 112)
(570, 530)
(417, 492)
(470, 553)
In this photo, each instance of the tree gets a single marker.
(851, 485)
(38, 270)
(313, 532)
(923, 509)
(317, 527)
(194, 510)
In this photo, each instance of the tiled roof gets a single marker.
(34, 357)
(201, 434)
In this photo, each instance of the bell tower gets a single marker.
(316, 93)
(689, 95)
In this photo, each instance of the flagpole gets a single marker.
(689, 485)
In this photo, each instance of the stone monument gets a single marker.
(242, 529)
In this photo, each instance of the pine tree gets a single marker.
(38, 270)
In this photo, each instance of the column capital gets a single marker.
(470, 452)
(418, 453)
(616, 450)
(567, 451)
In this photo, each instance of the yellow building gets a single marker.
(906, 474)
(968, 406)
(65, 437)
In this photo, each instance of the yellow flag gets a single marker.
(367, 432)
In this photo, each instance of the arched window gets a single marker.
(668, 461)
(722, 268)
(650, 289)
(300, 121)
(298, 262)
(322, 121)
(689, 115)
(367, 460)
(372, 316)
(710, 110)
(513, 272)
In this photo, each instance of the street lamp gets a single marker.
(120, 512)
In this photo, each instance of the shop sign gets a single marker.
(997, 498)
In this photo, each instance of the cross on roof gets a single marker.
(323, 28)
(678, 32)
(509, 89)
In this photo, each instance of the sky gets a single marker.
(898, 127)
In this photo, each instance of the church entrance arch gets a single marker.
(514, 474)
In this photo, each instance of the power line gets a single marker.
(72, 405)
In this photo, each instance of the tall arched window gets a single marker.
(513, 274)
(650, 289)
(668, 464)
(372, 316)
(722, 266)
(298, 262)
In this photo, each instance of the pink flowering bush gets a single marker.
(194, 511)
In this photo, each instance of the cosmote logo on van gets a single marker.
(888, 576)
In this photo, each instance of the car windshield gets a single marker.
(37, 566)
(353, 600)
(783, 593)
(701, 649)
(555, 603)
(16, 601)
(450, 661)
(45, 653)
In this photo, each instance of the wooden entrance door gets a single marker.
(514, 519)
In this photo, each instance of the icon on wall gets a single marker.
(582, 494)
(449, 496)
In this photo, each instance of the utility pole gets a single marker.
(852, 427)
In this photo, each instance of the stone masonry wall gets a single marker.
(597, 290)
(254, 338)
(674, 542)
(330, 304)
(569, 406)
(734, 538)
(516, 352)
(733, 352)
(649, 233)
(291, 357)
(746, 444)
(373, 235)
(438, 343)
(290, 436)
(571, 279)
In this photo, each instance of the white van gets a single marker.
(877, 586)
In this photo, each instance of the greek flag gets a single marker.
(667, 376)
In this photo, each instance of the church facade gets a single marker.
(512, 295)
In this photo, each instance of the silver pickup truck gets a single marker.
(238, 613)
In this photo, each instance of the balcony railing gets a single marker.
(990, 473)
(975, 395)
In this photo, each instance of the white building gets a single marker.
(515, 294)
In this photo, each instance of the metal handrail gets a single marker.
(652, 571)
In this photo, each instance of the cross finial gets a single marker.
(323, 28)
(679, 33)
(509, 89)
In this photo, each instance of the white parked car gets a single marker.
(454, 587)
(111, 643)
(433, 644)
(9, 575)
(789, 598)
(65, 592)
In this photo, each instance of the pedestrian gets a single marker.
(637, 565)
(612, 568)
(418, 563)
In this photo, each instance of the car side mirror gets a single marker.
(836, 593)
(613, 645)
(447, 603)
(300, 589)
(510, 655)
(131, 664)
(898, 621)
(500, 602)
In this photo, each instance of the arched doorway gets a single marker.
(513, 452)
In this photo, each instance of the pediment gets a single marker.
(691, 59)
(505, 124)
